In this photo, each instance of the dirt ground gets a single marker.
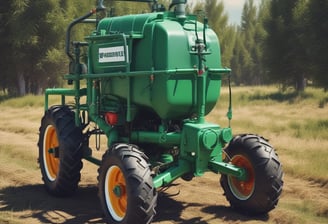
(23, 198)
(199, 201)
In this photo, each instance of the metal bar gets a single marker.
(89, 21)
(146, 73)
(46, 101)
(66, 92)
(136, 73)
(201, 82)
(228, 169)
(63, 99)
(60, 91)
(68, 32)
(156, 137)
(171, 174)
(93, 160)
(215, 71)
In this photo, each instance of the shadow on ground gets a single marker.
(82, 207)
(169, 209)
(32, 201)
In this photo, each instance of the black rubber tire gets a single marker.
(139, 198)
(60, 172)
(261, 194)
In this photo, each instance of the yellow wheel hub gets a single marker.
(115, 192)
(50, 144)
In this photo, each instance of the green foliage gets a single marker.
(296, 46)
(117, 8)
(218, 21)
(32, 39)
(278, 41)
(317, 41)
(283, 42)
(247, 61)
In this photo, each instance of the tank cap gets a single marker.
(180, 9)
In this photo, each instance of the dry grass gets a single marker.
(294, 123)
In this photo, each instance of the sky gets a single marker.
(233, 8)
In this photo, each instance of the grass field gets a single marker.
(295, 124)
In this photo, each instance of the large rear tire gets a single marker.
(260, 192)
(60, 151)
(126, 189)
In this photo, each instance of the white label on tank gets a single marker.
(111, 54)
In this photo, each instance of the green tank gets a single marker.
(161, 48)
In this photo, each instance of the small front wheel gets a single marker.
(126, 189)
(260, 192)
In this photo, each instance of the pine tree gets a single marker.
(317, 41)
(285, 52)
(218, 21)
(248, 25)
(5, 46)
(32, 38)
(247, 61)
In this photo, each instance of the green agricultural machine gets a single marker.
(146, 83)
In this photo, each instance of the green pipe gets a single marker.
(156, 137)
(62, 92)
(46, 102)
(93, 160)
(201, 97)
(219, 71)
(228, 169)
(171, 174)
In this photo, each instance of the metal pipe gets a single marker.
(100, 7)
(69, 28)
(156, 137)
(228, 169)
(171, 174)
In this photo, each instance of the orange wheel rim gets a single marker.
(51, 163)
(242, 189)
(115, 193)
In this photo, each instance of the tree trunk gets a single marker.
(21, 84)
(300, 83)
